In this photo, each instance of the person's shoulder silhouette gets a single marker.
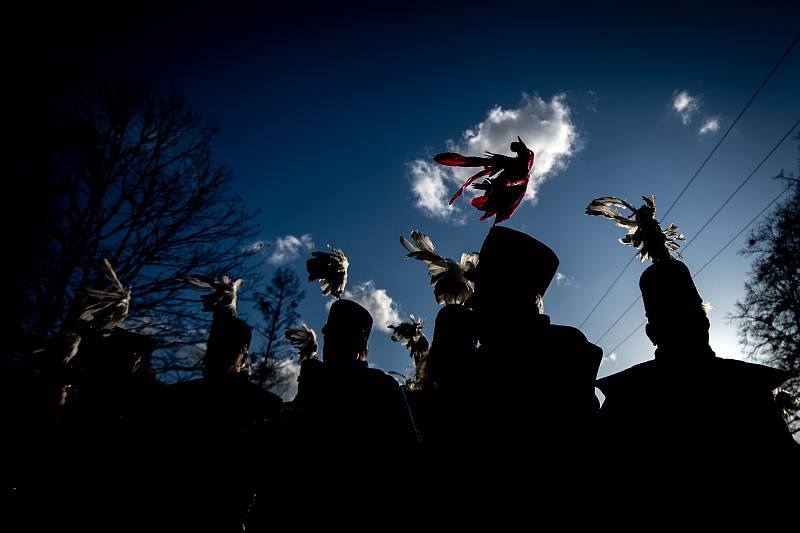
(448, 404)
(547, 371)
(688, 406)
(344, 400)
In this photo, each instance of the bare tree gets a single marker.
(768, 316)
(127, 174)
(278, 305)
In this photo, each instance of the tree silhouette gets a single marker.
(768, 316)
(278, 305)
(124, 172)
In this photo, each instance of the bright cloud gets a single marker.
(381, 306)
(288, 248)
(286, 373)
(612, 357)
(545, 127)
(685, 105)
(429, 184)
(562, 280)
(711, 125)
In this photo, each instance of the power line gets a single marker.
(685, 187)
(763, 83)
(625, 312)
(758, 166)
(742, 184)
(713, 257)
(628, 336)
(699, 270)
(603, 297)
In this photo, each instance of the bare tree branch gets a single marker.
(768, 316)
(130, 176)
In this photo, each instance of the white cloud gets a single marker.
(381, 306)
(685, 105)
(546, 127)
(288, 248)
(430, 187)
(711, 125)
(612, 357)
(286, 373)
(562, 280)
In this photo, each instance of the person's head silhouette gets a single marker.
(346, 333)
(676, 317)
(513, 273)
(130, 352)
(228, 344)
(454, 343)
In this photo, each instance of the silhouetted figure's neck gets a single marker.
(517, 328)
(684, 353)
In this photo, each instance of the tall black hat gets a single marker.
(668, 292)
(515, 260)
(348, 316)
(228, 334)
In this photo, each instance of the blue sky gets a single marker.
(323, 111)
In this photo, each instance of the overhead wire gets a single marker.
(699, 169)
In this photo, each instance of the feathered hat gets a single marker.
(644, 232)
(514, 261)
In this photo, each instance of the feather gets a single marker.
(451, 285)
(305, 340)
(59, 351)
(506, 183)
(423, 242)
(452, 159)
(71, 345)
(330, 268)
(411, 335)
(460, 191)
(221, 292)
(469, 261)
(110, 307)
(644, 232)
(605, 207)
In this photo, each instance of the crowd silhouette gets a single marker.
(504, 394)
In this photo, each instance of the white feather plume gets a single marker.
(220, 294)
(304, 339)
(450, 285)
(330, 268)
(644, 232)
(110, 306)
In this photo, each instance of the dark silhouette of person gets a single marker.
(215, 424)
(347, 422)
(346, 404)
(36, 445)
(688, 414)
(107, 427)
(117, 385)
(446, 404)
(540, 376)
